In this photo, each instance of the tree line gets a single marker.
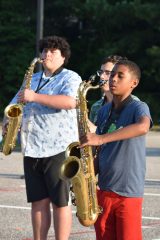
(94, 29)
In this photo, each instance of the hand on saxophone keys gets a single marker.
(90, 139)
(27, 95)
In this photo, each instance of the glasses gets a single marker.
(106, 72)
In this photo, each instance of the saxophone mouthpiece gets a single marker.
(102, 82)
(92, 78)
(41, 60)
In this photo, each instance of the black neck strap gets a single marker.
(122, 104)
(39, 87)
(115, 113)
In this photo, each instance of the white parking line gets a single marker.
(23, 208)
(15, 207)
(152, 179)
(145, 227)
(73, 211)
(151, 218)
(152, 194)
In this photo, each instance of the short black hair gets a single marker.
(55, 42)
(113, 59)
(132, 66)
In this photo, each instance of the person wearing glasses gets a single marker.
(104, 74)
(107, 65)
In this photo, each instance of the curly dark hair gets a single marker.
(55, 42)
(132, 67)
(113, 59)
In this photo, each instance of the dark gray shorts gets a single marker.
(42, 176)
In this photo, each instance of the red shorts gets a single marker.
(121, 218)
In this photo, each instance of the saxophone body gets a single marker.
(79, 167)
(13, 114)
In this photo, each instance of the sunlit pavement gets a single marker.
(15, 222)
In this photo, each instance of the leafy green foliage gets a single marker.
(17, 47)
(94, 28)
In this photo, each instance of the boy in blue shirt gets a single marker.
(120, 163)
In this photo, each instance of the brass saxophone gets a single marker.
(79, 167)
(14, 112)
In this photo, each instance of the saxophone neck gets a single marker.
(28, 75)
(36, 60)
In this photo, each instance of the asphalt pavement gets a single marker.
(15, 222)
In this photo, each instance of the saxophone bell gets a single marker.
(13, 113)
(13, 110)
(70, 168)
(78, 165)
(73, 150)
(71, 165)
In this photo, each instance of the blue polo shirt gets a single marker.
(122, 163)
(47, 131)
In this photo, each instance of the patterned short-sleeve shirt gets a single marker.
(47, 131)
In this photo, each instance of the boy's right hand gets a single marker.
(91, 139)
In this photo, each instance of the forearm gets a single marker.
(130, 131)
(56, 101)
